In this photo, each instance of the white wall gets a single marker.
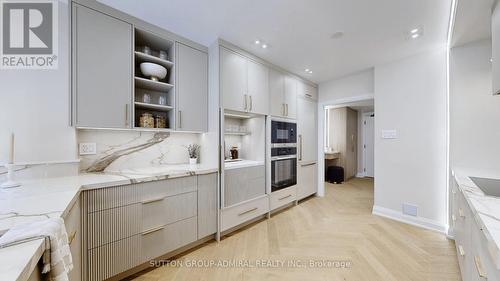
(410, 97)
(356, 84)
(34, 104)
(474, 111)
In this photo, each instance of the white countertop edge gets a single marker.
(469, 188)
(242, 164)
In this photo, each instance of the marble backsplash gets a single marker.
(171, 150)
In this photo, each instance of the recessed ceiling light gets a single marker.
(257, 42)
(307, 70)
(415, 30)
(337, 35)
(264, 46)
(310, 72)
(415, 35)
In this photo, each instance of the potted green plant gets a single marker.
(194, 152)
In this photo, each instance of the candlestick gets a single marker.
(10, 178)
(11, 149)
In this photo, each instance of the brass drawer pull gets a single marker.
(285, 197)
(249, 211)
(152, 200)
(479, 267)
(71, 237)
(149, 231)
(461, 213)
(453, 217)
(461, 250)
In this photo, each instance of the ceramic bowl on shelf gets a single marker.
(153, 70)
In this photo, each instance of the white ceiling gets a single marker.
(299, 31)
(472, 21)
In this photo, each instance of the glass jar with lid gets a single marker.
(146, 120)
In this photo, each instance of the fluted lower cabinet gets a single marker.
(192, 89)
(102, 69)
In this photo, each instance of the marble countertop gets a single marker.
(53, 197)
(486, 209)
(243, 163)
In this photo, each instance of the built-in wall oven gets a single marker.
(283, 154)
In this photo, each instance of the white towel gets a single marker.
(60, 262)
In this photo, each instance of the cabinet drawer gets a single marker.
(166, 210)
(161, 240)
(107, 226)
(282, 197)
(239, 214)
(165, 188)
(244, 184)
(111, 259)
(483, 267)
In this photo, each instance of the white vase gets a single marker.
(193, 161)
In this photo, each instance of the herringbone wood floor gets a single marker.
(339, 226)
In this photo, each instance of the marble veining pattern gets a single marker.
(486, 210)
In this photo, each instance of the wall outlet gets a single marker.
(389, 134)
(88, 148)
(410, 210)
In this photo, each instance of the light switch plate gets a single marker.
(389, 134)
(88, 148)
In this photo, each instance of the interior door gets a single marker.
(369, 135)
(306, 126)
(103, 69)
(291, 97)
(234, 80)
(191, 88)
(258, 87)
(276, 92)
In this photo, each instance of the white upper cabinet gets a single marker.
(283, 95)
(307, 91)
(244, 83)
(290, 98)
(233, 80)
(495, 28)
(102, 74)
(258, 87)
(277, 93)
(192, 89)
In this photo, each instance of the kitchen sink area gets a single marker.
(490, 187)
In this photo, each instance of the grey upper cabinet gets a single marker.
(244, 83)
(102, 70)
(258, 87)
(277, 93)
(283, 95)
(233, 80)
(307, 129)
(192, 88)
(290, 97)
(495, 29)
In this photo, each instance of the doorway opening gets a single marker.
(348, 138)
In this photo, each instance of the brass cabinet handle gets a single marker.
(149, 231)
(310, 164)
(71, 237)
(285, 197)
(249, 211)
(246, 102)
(461, 250)
(287, 109)
(152, 200)
(300, 147)
(251, 102)
(453, 218)
(461, 213)
(479, 267)
(283, 109)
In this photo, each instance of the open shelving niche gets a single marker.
(251, 139)
(164, 87)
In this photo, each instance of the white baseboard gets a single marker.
(416, 221)
(360, 175)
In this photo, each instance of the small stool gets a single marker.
(335, 174)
